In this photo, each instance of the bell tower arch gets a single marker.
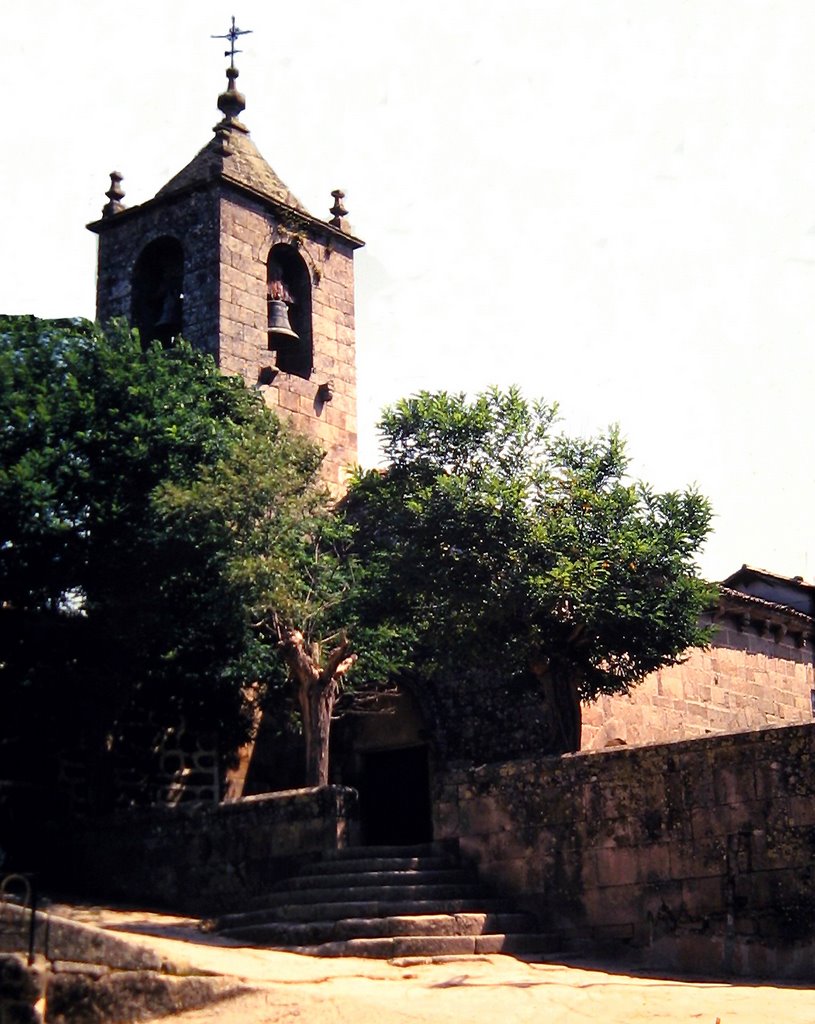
(157, 290)
(225, 255)
(289, 295)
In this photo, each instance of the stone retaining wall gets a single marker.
(84, 975)
(698, 856)
(204, 858)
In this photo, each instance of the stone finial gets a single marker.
(115, 196)
(338, 211)
(231, 103)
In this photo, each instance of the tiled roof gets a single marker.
(740, 597)
(754, 572)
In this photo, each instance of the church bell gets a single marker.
(279, 326)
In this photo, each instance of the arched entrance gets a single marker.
(385, 755)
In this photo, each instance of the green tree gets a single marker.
(492, 541)
(289, 555)
(156, 522)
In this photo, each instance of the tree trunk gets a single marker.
(316, 706)
(564, 711)
(317, 689)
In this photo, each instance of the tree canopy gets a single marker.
(150, 509)
(168, 554)
(494, 541)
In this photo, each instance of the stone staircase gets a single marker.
(386, 902)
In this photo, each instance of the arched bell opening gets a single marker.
(157, 307)
(289, 296)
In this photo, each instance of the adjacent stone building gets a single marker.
(225, 255)
(757, 672)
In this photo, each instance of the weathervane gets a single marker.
(232, 36)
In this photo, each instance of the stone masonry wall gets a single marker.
(204, 858)
(226, 240)
(64, 971)
(696, 856)
(193, 221)
(247, 233)
(744, 681)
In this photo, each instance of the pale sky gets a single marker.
(608, 202)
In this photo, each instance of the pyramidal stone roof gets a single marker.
(232, 156)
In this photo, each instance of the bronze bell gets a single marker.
(279, 326)
(170, 310)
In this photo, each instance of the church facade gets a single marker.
(226, 256)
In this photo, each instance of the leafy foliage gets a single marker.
(148, 507)
(492, 541)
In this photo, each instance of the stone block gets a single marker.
(654, 863)
(612, 905)
(700, 858)
(252, 271)
(446, 820)
(482, 816)
(288, 400)
(130, 995)
(20, 983)
(733, 784)
(703, 897)
(723, 820)
(253, 302)
(616, 866)
(614, 932)
(628, 865)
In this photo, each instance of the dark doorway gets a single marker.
(394, 796)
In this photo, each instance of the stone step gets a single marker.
(433, 945)
(366, 909)
(380, 893)
(412, 876)
(365, 863)
(440, 849)
(389, 902)
(311, 933)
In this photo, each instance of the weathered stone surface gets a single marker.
(59, 939)
(744, 681)
(18, 981)
(75, 998)
(667, 848)
(22, 986)
(202, 858)
(226, 232)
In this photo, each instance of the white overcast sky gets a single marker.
(609, 202)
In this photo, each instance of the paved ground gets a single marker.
(491, 989)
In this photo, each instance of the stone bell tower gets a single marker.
(226, 256)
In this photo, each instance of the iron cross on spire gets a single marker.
(232, 36)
